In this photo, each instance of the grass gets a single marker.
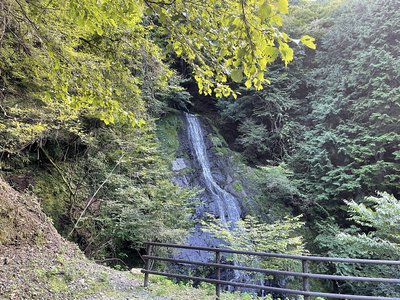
(166, 288)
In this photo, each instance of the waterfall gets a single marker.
(228, 206)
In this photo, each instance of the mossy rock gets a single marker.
(168, 129)
(54, 196)
(238, 187)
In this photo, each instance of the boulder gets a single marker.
(178, 164)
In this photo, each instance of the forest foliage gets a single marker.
(71, 69)
(333, 119)
(83, 82)
(332, 116)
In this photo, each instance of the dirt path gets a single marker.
(28, 273)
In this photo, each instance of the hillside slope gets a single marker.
(37, 263)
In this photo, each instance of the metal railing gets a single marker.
(306, 275)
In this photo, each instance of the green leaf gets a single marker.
(141, 122)
(99, 30)
(283, 6)
(265, 11)
(277, 19)
(286, 53)
(308, 41)
(237, 75)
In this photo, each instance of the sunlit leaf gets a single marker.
(308, 41)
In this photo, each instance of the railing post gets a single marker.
(218, 273)
(306, 280)
(147, 266)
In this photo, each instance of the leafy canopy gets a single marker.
(222, 40)
(91, 55)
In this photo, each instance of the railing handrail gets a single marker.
(280, 255)
(272, 289)
(272, 271)
(305, 274)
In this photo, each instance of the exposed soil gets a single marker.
(37, 263)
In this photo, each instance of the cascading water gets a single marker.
(227, 205)
(218, 198)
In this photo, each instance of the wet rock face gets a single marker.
(178, 164)
(199, 167)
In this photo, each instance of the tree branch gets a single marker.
(94, 195)
(58, 170)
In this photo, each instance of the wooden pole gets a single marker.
(218, 273)
(306, 280)
(147, 266)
